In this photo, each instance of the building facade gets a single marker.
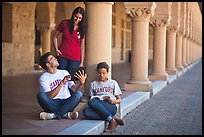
(168, 33)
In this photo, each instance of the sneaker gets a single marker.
(73, 115)
(46, 116)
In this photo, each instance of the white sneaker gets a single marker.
(73, 115)
(46, 116)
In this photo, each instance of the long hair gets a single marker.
(82, 23)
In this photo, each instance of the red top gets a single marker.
(70, 43)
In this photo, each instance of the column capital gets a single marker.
(160, 22)
(162, 17)
(139, 13)
(179, 33)
(174, 28)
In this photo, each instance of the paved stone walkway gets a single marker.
(175, 110)
(20, 110)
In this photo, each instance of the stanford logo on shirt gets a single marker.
(55, 83)
(104, 89)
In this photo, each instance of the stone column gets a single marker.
(160, 22)
(172, 29)
(187, 51)
(182, 31)
(159, 53)
(98, 38)
(178, 52)
(170, 51)
(187, 33)
(191, 35)
(191, 51)
(45, 30)
(139, 51)
(184, 51)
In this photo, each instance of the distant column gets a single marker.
(179, 52)
(184, 51)
(170, 51)
(172, 30)
(160, 22)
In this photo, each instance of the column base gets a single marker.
(188, 63)
(171, 71)
(179, 68)
(185, 65)
(138, 85)
(156, 76)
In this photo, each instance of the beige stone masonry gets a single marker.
(170, 52)
(139, 54)
(179, 39)
(171, 38)
(46, 30)
(160, 22)
(187, 33)
(178, 60)
(22, 44)
(184, 51)
(98, 40)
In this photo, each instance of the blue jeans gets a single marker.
(59, 106)
(98, 109)
(67, 64)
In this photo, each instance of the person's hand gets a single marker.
(106, 98)
(58, 52)
(81, 76)
(81, 65)
(66, 78)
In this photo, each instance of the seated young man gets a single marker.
(58, 95)
(105, 97)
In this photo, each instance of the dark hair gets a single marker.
(102, 65)
(43, 60)
(82, 24)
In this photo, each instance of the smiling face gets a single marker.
(52, 61)
(77, 18)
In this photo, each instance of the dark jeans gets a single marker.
(67, 64)
(59, 106)
(98, 109)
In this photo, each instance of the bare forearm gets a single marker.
(54, 92)
(82, 51)
(55, 43)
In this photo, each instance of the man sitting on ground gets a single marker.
(58, 95)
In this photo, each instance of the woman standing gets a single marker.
(71, 51)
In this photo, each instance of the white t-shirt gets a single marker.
(109, 87)
(49, 82)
